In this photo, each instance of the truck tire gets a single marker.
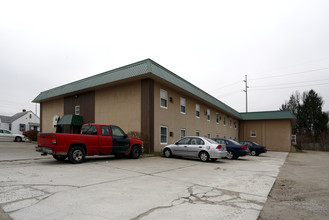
(60, 157)
(135, 152)
(77, 155)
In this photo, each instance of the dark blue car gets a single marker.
(234, 149)
(255, 149)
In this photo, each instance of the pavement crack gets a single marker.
(16, 197)
(204, 195)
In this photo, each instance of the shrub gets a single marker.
(142, 136)
(32, 135)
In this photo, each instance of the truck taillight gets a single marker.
(53, 139)
(243, 147)
(219, 147)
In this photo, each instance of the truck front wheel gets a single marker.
(77, 154)
(135, 152)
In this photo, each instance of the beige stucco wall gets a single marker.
(175, 120)
(274, 134)
(119, 105)
(49, 110)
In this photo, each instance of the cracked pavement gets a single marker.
(34, 187)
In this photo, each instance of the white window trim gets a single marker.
(181, 133)
(197, 109)
(162, 91)
(182, 101)
(251, 133)
(224, 120)
(197, 133)
(77, 110)
(208, 114)
(166, 134)
(230, 123)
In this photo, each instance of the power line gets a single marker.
(320, 84)
(225, 86)
(282, 84)
(230, 93)
(289, 74)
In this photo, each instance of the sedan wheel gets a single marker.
(167, 153)
(204, 156)
(253, 153)
(18, 139)
(230, 155)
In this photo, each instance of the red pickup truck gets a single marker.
(95, 139)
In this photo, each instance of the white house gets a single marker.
(20, 122)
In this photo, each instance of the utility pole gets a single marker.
(246, 91)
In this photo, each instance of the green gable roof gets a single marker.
(267, 115)
(129, 71)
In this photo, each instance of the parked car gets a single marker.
(255, 149)
(197, 147)
(234, 149)
(6, 135)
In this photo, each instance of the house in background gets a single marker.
(20, 122)
(148, 98)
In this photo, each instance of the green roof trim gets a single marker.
(71, 120)
(136, 69)
(267, 115)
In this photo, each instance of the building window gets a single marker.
(197, 133)
(208, 114)
(182, 105)
(77, 110)
(230, 123)
(163, 135)
(22, 127)
(217, 118)
(163, 98)
(182, 133)
(208, 135)
(30, 115)
(224, 121)
(10, 127)
(197, 110)
(217, 135)
(235, 124)
(253, 133)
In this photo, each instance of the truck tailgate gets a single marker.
(45, 139)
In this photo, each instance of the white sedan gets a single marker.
(6, 135)
(197, 147)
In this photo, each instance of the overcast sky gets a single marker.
(282, 46)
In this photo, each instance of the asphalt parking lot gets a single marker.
(36, 187)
